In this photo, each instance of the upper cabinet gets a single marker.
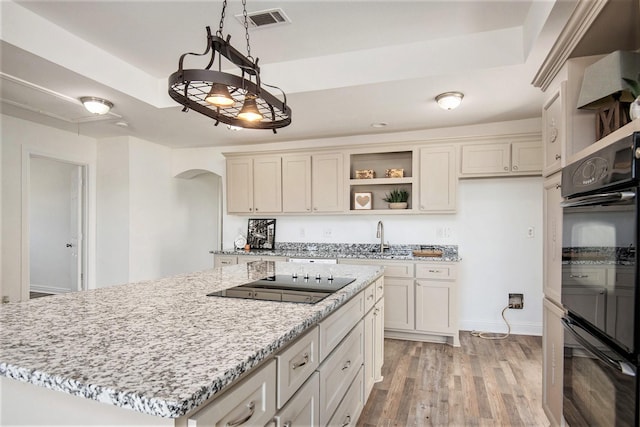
(327, 182)
(438, 179)
(501, 159)
(296, 183)
(553, 130)
(254, 185)
(357, 180)
(373, 175)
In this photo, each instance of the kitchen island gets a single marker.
(161, 348)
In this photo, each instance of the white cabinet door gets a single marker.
(240, 185)
(433, 306)
(487, 159)
(267, 184)
(327, 178)
(399, 299)
(296, 184)
(554, 130)
(552, 361)
(526, 157)
(552, 238)
(438, 179)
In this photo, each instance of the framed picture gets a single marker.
(262, 234)
(362, 201)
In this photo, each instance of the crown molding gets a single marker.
(583, 16)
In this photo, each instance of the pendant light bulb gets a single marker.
(219, 96)
(249, 111)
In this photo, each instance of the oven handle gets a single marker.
(598, 199)
(622, 366)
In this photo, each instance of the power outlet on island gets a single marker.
(516, 301)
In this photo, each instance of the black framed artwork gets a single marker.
(262, 233)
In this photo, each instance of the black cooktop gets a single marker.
(288, 288)
(307, 283)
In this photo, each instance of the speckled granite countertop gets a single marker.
(351, 250)
(160, 347)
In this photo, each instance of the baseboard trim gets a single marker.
(524, 328)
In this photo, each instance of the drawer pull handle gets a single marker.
(380, 287)
(347, 421)
(287, 424)
(578, 276)
(558, 156)
(240, 421)
(305, 360)
(376, 311)
(434, 271)
(370, 297)
(346, 365)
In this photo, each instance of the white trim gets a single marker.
(48, 289)
(579, 23)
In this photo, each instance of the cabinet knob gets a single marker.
(558, 186)
(515, 167)
(558, 156)
(506, 168)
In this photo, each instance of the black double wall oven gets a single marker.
(600, 286)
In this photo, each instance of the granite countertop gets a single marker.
(351, 251)
(160, 347)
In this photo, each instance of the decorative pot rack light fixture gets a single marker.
(228, 98)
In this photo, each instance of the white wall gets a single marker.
(50, 225)
(21, 138)
(113, 211)
(151, 224)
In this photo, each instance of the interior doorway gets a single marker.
(56, 226)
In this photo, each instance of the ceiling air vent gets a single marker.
(265, 18)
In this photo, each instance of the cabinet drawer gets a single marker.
(338, 371)
(303, 409)
(335, 327)
(584, 275)
(369, 297)
(379, 288)
(435, 271)
(296, 364)
(222, 260)
(349, 409)
(399, 269)
(253, 402)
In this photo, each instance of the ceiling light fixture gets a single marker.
(449, 100)
(235, 100)
(95, 105)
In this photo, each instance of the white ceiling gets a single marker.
(343, 64)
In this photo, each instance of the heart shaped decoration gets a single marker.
(363, 200)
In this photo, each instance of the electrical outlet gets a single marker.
(516, 301)
(327, 233)
(531, 232)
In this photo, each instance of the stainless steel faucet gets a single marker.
(380, 235)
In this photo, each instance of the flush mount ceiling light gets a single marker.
(236, 100)
(95, 105)
(449, 100)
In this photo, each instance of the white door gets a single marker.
(55, 226)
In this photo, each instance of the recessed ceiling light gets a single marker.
(379, 125)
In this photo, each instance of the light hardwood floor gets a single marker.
(481, 383)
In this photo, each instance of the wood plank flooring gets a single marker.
(481, 383)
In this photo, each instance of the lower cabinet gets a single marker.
(552, 362)
(303, 409)
(421, 299)
(252, 402)
(222, 260)
(317, 380)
